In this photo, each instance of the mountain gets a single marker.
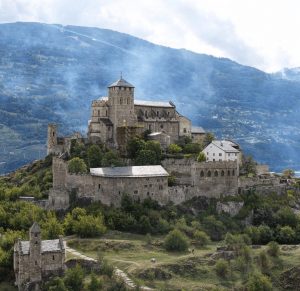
(51, 73)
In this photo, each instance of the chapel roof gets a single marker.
(53, 245)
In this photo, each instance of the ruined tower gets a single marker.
(121, 105)
(35, 256)
(52, 138)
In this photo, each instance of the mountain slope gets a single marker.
(53, 72)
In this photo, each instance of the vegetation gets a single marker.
(176, 241)
(77, 166)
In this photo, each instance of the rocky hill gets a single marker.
(53, 72)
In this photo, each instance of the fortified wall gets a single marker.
(208, 179)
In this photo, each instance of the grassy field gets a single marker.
(177, 271)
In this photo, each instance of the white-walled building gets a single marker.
(222, 150)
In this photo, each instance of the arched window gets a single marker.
(233, 173)
(222, 173)
(209, 174)
(216, 174)
(121, 100)
(202, 174)
(228, 173)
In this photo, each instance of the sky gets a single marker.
(259, 33)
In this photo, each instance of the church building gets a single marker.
(119, 116)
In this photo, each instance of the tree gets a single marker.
(52, 228)
(111, 159)
(56, 284)
(265, 234)
(259, 282)
(135, 145)
(248, 165)
(288, 173)
(201, 238)
(286, 216)
(94, 284)
(146, 157)
(74, 278)
(77, 166)
(89, 226)
(155, 147)
(174, 149)
(209, 137)
(95, 156)
(214, 227)
(286, 235)
(176, 241)
(201, 157)
(222, 268)
(192, 148)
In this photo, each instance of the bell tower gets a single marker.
(121, 105)
(35, 256)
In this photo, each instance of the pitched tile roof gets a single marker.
(46, 246)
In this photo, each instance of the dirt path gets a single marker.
(117, 272)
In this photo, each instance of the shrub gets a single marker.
(286, 235)
(265, 234)
(74, 278)
(201, 238)
(273, 249)
(94, 155)
(106, 269)
(176, 241)
(254, 234)
(259, 282)
(94, 284)
(174, 149)
(76, 166)
(89, 226)
(222, 268)
(201, 157)
(263, 261)
(146, 157)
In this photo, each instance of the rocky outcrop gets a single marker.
(230, 207)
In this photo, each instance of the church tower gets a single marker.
(51, 138)
(121, 105)
(35, 257)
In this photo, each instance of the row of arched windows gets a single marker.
(217, 173)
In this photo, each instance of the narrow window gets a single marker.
(216, 174)
(99, 186)
(228, 173)
(233, 173)
(222, 173)
(53, 258)
(209, 174)
(202, 174)
(220, 154)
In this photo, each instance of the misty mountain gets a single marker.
(51, 73)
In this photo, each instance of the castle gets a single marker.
(117, 118)
(37, 259)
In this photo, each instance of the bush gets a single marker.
(222, 268)
(286, 235)
(259, 282)
(263, 261)
(174, 149)
(201, 157)
(94, 155)
(176, 241)
(94, 284)
(74, 278)
(265, 234)
(273, 249)
(89, 226)
(201, 238)
(106, 269)
(77, 166)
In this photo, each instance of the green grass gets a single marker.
(5, 286)
(132, 254)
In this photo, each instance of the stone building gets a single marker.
(107, 184)
(37, 259)
(119, 116)
(198, 134)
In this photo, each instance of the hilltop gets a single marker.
(51, 73)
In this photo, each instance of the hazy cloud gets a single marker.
(252, 32)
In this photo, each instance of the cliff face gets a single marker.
(51, 73)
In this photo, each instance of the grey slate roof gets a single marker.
(47, 246)
(35, 227)
(154, 103)
(197, 129)
(167, 104)
(130, 172)
(225, 145)
(121, 83)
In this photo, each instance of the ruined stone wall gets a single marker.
(52, 263)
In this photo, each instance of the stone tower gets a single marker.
(121, 104)
(52, 138)
(35, 253)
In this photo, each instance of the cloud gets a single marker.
(257, 33)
